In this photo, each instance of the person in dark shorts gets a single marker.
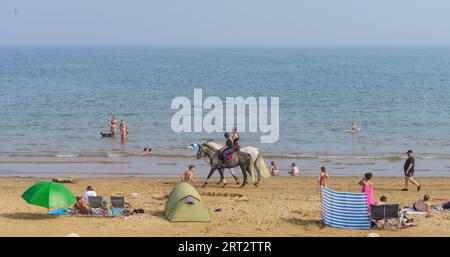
(408, 169)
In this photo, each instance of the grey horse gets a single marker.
(241, 159)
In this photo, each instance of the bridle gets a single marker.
(201, 153)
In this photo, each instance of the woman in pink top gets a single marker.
(294, 170)
(367, 187)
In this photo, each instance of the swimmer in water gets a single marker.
(146, 152)
(113, 125)
(354, 128)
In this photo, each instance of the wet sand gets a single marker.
(158, 166)
(281, 206)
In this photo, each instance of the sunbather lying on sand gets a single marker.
(423, 205)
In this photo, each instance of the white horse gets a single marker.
(260, 165)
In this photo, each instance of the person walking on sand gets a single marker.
(367, 187)
(323, 177)
(188, 175)
(408, 169)
(294, 170)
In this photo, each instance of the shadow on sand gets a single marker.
(304, 222)
(159, 214)
(28, 216)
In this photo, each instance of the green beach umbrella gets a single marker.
(49, 195)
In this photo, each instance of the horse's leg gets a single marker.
(244, 174)
(255, 183)
(209, 175)
(222, 177)
(234, 176)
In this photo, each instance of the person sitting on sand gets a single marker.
(367, 187)
(188, 175)
(323, 177)
(423, 205)
(273, 169)
(383, 200)
(105, 204)
(146, 152)
(294, 170)
(80, 206)
(89, 192)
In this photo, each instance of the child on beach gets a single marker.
(383, 200)
(188, 175)
(273, 169)
(323, 177)
(367, 187)
(294, 170)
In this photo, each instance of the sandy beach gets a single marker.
(281, 206)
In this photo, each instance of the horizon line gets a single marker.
(221, 45)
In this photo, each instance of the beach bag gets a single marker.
(446, 206)
(138, 211)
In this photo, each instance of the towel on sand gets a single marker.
(411, 211)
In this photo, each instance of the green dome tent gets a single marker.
(186, 204)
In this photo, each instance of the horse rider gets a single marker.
(235, 138)
(227, 149)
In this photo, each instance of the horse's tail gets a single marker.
(251, 167)
(262, 167)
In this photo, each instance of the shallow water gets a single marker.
(54, 102)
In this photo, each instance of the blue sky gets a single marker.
(224, 22)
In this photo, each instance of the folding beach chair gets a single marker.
(390, 213)
(95, 203)
(118, 205)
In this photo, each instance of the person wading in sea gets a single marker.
(408, 169)
(124, 129)
(113, 125)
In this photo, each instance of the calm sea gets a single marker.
(55, 101)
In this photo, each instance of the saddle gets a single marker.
(227, 154)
